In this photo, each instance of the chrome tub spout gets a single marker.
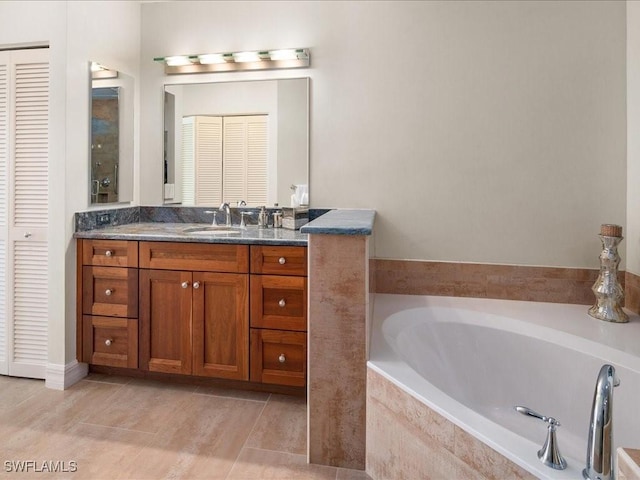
(600, 442)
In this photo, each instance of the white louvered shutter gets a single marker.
(188, 161)
(4, 161)
(245, 148)
(257, 160)
(208, 160)
(28, 213)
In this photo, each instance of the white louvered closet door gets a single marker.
(244, 163)
(208, 160)
(188, 161)
(24, 211)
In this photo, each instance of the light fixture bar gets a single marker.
(236, 61)
(101, 72)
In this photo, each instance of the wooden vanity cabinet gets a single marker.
(194, 322)
(228, 311)
(108, 299)
(279, 315)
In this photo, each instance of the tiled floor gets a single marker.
(120, 428)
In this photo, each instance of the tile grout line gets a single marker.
(248, 436)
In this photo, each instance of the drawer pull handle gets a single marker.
(108, 292)
(282, 303)
(108, 253)
(282, 358)
(196, 284)
(185, 284)
(282, 260)
(108, 342)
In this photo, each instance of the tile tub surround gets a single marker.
(338, 313)
(628, 464)
(506, 282)
(422, 443)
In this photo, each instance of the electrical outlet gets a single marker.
(104, 219)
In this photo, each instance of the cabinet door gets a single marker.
(220, 325)
(165, 321)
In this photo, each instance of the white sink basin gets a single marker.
(210, 230)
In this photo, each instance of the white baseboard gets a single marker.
(61, 377)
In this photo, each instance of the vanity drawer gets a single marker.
(278, 357)
(110, 291)
(110, 253)
(278, 302)
(279, 260)
(110, 341)
(201, 257)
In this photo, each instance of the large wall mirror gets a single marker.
(236, 142)
(111, 152)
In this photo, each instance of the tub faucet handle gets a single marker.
(549, 454)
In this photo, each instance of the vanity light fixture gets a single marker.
(236, 61)
(100, 72)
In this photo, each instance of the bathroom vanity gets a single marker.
(154, 298)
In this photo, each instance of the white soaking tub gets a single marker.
(472, 360)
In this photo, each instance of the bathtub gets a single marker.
(472, 360)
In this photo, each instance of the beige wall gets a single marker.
(632, 233)
(479, 131)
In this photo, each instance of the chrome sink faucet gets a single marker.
(600, 442)
(225, 207)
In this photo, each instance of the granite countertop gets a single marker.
(175, 232)
(342, 222)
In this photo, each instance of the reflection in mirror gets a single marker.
(111, 137)
(236, 142)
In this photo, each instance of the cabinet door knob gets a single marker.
(282, 358)
(282, 303)
(27, 235)
(185, 284)
(196, 284)
(108, 253)
(282, 260)
(108, 292)
(108, 342)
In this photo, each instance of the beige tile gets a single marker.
(105, 378)
(233, 393)
(267, 465)
(15, 390)
(409, 412)
(282, 426)
(348, 474)
(203, 440)
(337, 355)
(144, 405)
(53, 410)
(485, 460)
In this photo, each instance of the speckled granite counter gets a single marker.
(176, 232)
(342, 222)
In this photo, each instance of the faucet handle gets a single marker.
(214, 212)
(527, 411)
(549, 454)
(243, 224)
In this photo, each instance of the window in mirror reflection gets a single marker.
(105, 146)
(230, 155)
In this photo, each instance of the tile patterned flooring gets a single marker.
(122, 428)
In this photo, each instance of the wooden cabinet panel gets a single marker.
(110, 253)
(110, 291)
(278, 357)
(110, 341)
(279, 260)
(165, 321)
(195, 256)
(220, 325)
(279, 302)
